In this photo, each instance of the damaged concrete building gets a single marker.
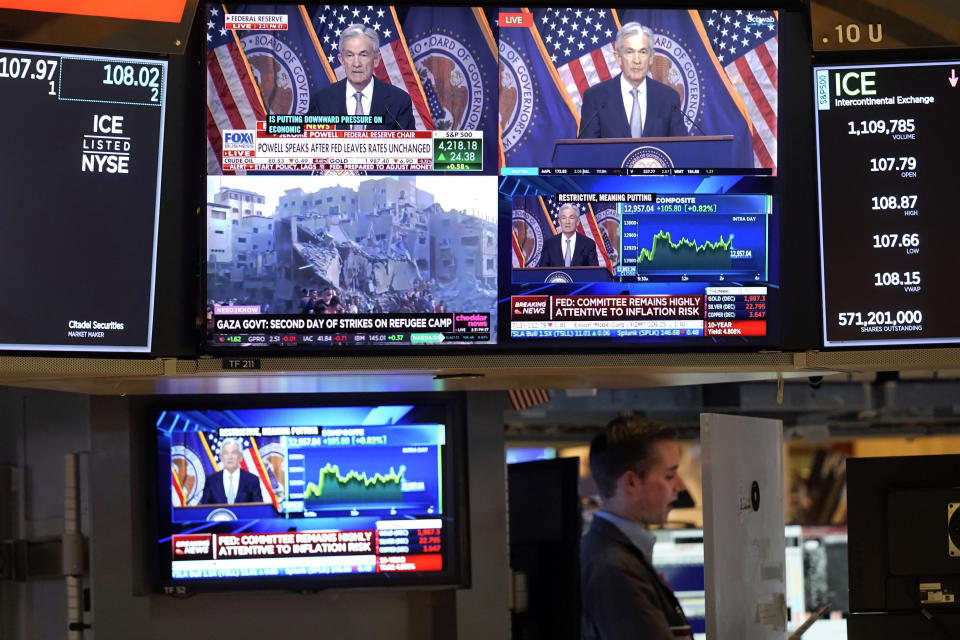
(374, 244)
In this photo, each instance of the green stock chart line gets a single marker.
(685, 253)
(353, 487)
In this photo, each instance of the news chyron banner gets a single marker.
(332, 88)
(80, 178)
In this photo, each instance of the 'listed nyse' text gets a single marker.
(106, 149)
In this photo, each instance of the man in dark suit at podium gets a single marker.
(568, 248)
(231, 484)
(631, 105)
(360, 93)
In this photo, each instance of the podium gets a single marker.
(692, 152)
(224, 512)
(560, 275)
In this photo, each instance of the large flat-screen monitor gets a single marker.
(885, 136)
(298, 494)
(80, 181)
(638, 91)
(314, 88)
(903, 520)
(670, 261)
(328, 225)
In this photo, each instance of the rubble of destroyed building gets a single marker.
(384, 247)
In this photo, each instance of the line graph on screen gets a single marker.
(335, 487)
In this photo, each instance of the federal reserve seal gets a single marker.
(280, 75)
(647, 157)
(674, 66)
(221, 515)
(529, 236)
(608, 221)
(452, 80)
(186, 463)
(516, 95)
(558, 277)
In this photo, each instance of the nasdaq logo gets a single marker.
(239, 140)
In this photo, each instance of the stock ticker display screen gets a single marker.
(682, 261)
(885, 136)
(350, 495)
(80, 177)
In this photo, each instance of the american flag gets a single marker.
(745, 43)
(233, 99)
(587, 226)
(395, 66)
(580, 44)
(521, 399)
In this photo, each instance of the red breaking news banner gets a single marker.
(193, 547)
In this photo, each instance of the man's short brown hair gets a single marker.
(625, 444)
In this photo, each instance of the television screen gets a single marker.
(904, 547)
(885, 135)
(80, 180)
(638, 91)
(680, 261)
(317, 88)
(314, 262)
(306, 496)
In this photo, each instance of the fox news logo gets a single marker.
(239, 140)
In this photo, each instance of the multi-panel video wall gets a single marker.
(466, 179)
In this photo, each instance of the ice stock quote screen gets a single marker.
(328, 224)
(80, 179)
(347, 495)
(885, 135)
